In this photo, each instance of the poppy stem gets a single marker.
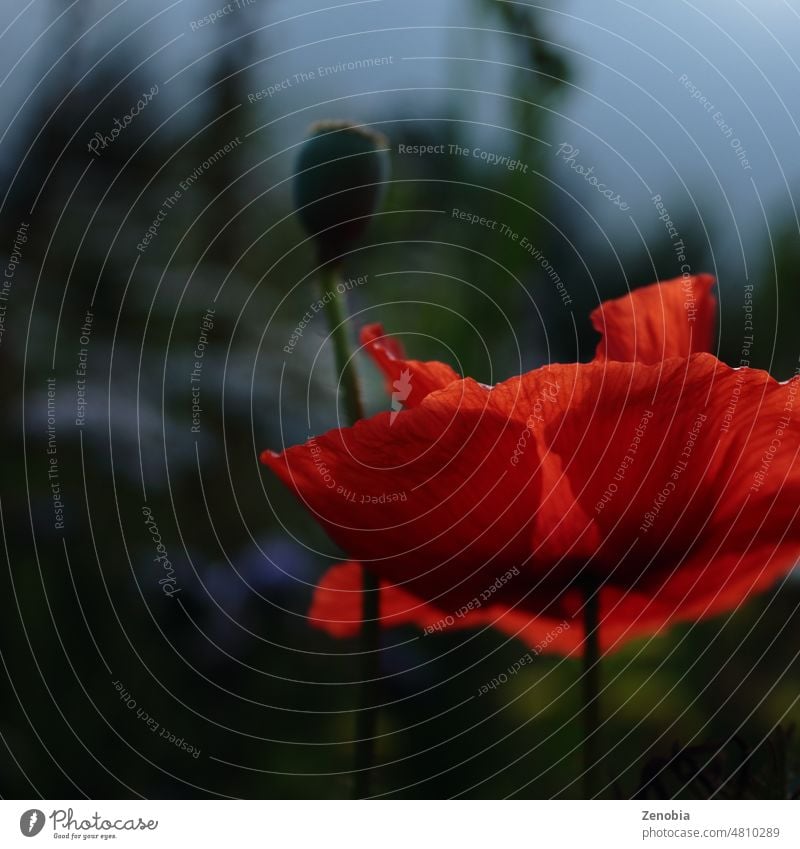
(591, 691)
(330, 279)
(367, 711)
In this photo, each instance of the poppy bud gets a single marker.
(340, 174)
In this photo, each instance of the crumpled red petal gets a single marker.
(676, 486)
(672, 319)
(337, 609)
(665, 477)
(410, 381)
(437, 501)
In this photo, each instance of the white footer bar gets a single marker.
(399, 824)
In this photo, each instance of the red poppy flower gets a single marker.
(655, 472)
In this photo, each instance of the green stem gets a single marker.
(367, 715)
(591, 691)
(334, 310)
(369, 696)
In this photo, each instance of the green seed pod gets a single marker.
(341, 170)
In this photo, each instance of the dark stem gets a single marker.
(367, 715)
(369, 696)
(334, 311)
(591, 691)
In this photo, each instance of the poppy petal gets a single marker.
(656, 473)
(663, 320)
(431, 501)
(337, 609)
(410, 381)
(675, 483)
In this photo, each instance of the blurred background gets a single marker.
(154, 273)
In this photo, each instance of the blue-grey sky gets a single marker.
(698, 102)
